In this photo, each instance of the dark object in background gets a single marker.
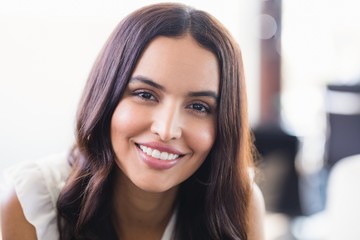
(280, 183)
(343, 126)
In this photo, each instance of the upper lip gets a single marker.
(162, 147)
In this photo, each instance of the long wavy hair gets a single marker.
(211, 204)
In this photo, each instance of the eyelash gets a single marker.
(205, 109)
(141, 93)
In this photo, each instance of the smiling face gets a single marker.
(164, 126)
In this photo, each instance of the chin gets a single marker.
(152, 187)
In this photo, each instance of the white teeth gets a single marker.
(148, 151)
(164, 156)
(157, 154)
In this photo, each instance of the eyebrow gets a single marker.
(150, 82)
(211, 94)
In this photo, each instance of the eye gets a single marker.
(199, 107)
(145, 95)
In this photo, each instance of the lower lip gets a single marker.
(155, 163)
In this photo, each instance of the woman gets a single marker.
(163, 148)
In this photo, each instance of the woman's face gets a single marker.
(164, 126)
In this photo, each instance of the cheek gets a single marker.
(125, 121)
(202, 137)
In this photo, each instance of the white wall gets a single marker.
(47, 49)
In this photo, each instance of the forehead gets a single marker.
(179, 60)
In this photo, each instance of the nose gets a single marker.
(166, 122)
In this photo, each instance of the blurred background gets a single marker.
(302, 65)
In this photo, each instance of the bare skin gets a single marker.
(14, 225)
(257, 215)
(139, 213)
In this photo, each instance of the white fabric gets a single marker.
(169, 228)
(343, 199)
(38, 184)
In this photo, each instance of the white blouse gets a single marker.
(38, 184)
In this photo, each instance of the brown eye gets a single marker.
(145, 95)
(200, 107)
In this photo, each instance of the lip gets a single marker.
(155, 163)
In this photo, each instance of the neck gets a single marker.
(139, 211)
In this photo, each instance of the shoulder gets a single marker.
(33, 191)
(31, 179)
(13, 222)
(256, 214)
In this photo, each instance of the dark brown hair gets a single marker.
(211, 204)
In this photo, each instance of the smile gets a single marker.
(157, 154)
